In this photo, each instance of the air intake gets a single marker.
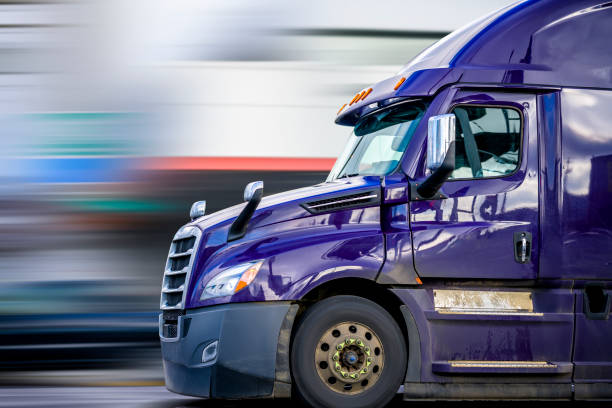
(178, 268)
(342, 202)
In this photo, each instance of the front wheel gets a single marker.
(347, 352)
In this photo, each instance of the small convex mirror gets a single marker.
(440, 134)
(198, 209)
(256, 187)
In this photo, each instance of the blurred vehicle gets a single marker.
(458, 246)
(118, 115)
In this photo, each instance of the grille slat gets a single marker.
(178, 268)
(181, 254)
(337, 203)
(175, 273)
(173, 290)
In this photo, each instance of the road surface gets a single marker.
(159, 397)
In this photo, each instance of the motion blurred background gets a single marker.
(117, 114)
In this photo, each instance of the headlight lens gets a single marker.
(231, 280)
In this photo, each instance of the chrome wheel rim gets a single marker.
(349, 358)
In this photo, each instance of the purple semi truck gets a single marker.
(461, 247)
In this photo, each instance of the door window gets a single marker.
(488, 141)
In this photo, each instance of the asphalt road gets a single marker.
(159, 397)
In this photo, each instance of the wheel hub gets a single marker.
(349, 358)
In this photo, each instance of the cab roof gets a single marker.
(536, 43)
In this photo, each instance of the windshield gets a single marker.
(378, 142)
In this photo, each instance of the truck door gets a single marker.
(478, 245)
(487, 228)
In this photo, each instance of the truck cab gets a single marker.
(460, 248)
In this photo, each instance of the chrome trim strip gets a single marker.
(347, 200)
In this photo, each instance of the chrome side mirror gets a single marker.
(198, 209)
(440, 157)
(256, 187)
(440, 135)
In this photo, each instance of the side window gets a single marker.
(488, 141)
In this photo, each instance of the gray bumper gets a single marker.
(246, 363)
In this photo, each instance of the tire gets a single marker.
(373, 328)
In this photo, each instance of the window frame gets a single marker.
(521, 138)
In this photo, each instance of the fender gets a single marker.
(299, 255)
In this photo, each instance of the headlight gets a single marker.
(231, 280)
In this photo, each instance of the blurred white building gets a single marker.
(215, 78)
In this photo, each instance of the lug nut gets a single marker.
(339, 346)
(345, 375)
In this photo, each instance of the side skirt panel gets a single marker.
(471, 391)
(593, 391)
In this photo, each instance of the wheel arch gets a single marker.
(365, 288)
(379, 294)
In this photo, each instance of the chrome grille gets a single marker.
(178, 268)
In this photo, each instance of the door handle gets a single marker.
(522, 247)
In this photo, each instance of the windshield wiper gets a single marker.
(348, 175)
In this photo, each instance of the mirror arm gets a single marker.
(239, 226)
(430, 187)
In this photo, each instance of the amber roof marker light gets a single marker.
(357, 97)
(365, 95)
(399, 83)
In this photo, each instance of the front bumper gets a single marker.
(250, 336)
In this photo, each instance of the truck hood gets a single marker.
(286, 205)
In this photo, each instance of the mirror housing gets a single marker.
(430, 187)
(252, 189)
(440, 135)
(198, 209)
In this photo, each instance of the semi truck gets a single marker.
(460, 248)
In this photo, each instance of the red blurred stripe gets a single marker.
(238, 163)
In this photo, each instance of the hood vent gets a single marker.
(342, 202)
